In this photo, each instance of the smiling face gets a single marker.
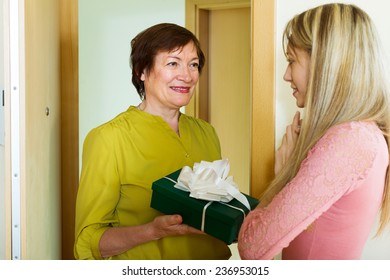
(297, 73)
(171, 81)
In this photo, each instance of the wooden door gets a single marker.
(229, 87)
(245, 107)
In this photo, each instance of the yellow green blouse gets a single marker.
(121, 160)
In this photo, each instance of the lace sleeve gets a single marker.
(333, 167)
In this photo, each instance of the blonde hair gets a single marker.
(346, 82)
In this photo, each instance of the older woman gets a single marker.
(122, 158)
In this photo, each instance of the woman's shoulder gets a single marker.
(365, 129)
(348, 149)
(354, 135)
(121, 121)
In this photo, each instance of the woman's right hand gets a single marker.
(289, 141)
(117, 240)
(172, 225)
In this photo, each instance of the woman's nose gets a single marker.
(185, 74)
(287, 74)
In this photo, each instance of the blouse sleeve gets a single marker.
(333, 167)
(98, 194)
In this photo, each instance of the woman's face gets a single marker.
(171, 81)
(297, 73)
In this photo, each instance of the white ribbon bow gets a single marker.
(210, 181)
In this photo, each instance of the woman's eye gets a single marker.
(194, 65)
(172, 63)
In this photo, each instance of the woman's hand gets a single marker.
(171, 225)
(117, 240)
(289, 141)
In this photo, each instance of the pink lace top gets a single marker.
(328, 209)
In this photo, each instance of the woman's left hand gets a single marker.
(289, 141)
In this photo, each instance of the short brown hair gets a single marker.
(147, 44)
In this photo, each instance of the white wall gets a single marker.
(105, 31)
(378, 248)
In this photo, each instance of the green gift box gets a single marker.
(221, 220)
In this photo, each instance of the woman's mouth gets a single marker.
(181, 89)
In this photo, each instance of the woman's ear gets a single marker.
(142, 77)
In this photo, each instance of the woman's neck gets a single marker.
(170, 116)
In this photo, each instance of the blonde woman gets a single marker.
(331, 170)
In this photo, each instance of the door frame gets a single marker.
(7, 139)
(69, 122)
(32, 121)
(262, 83)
